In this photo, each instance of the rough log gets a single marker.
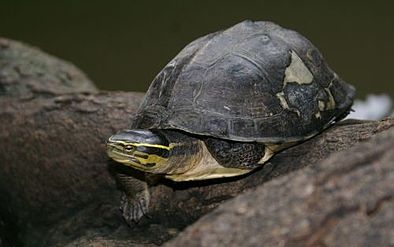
(56, 183)
(345, 200)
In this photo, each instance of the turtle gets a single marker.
(224, 106)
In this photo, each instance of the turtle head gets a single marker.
(145, 150)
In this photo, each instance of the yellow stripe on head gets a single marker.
(138, 144)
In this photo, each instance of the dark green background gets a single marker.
(121, 45)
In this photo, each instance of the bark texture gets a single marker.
(345, 200)
(26, 71)
(57, 186)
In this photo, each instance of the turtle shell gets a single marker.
(255, 81)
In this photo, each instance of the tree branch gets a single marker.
(56, 182)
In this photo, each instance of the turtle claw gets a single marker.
(133, 209)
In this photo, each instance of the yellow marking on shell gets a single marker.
(331, 102)
(284, 104)
(297, 71)
(322, 105)
(282, 100)
(318, 115)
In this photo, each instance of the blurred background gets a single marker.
(123, 44)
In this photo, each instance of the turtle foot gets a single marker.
(134, 208)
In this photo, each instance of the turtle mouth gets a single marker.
(115, 153)
(122, 157)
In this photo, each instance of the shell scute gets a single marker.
(255, 81)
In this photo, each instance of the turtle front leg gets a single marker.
(135, 198)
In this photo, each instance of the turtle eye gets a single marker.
(129, 148)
